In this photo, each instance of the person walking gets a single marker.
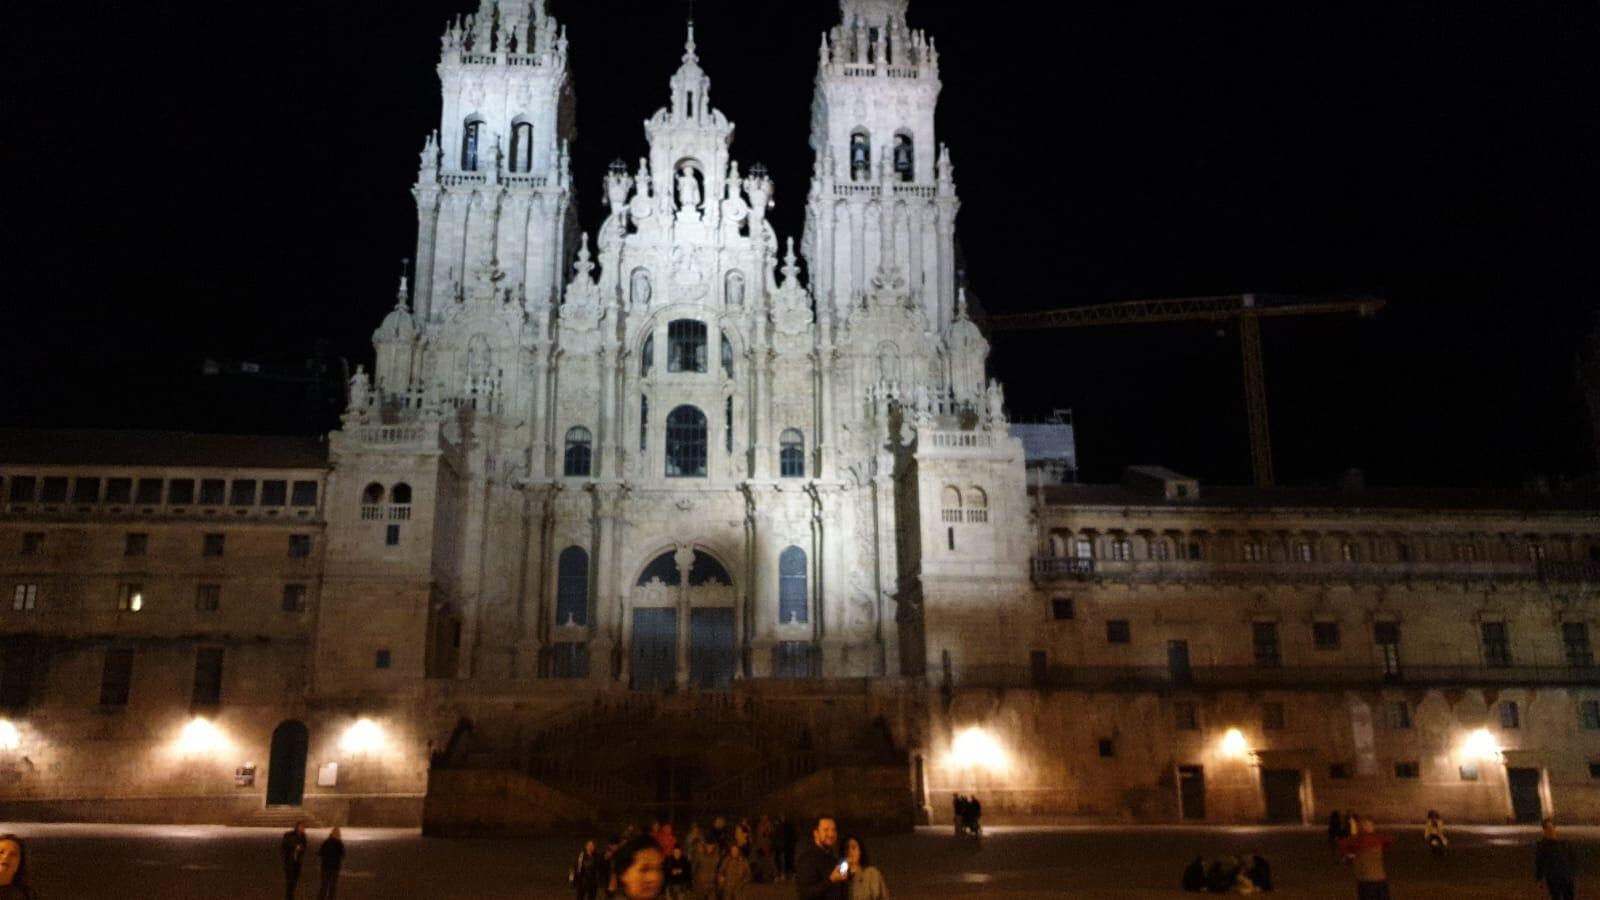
(292, 849)
(14, 869)
(1365, 851)
(586, 872)
(866, 882)
(817, 875)
(1433, 833)
(733, 876)
(1553, 864)
(330, 858)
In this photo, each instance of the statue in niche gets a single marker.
(688, 189)
(735, 289)
(639, 291)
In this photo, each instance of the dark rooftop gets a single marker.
(74, 447)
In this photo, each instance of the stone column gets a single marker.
(916, 277)
(947, 260)
(764, 575)
(607, 626)
(685, 560)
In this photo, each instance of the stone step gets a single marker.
(276, 817)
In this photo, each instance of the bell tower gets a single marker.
(882, 193)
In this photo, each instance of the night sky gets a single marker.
(232, 180)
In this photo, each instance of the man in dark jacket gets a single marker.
(293, 851)
(816, 870)
(332, 854)
(1553, 864)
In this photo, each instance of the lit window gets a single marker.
(792, 586)
(1254, 551)
(25, 597)
(1121, 549)
(792, 454)
(1084, 548)
(1303, 552)
(1160, 550)
(130, 598)
(1350, 551)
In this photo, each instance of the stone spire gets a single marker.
(691, 86)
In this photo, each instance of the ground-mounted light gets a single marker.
(10, 738)
(364, 738)
(1234, 744)
(976, 748)
(201, 737)
(1481, 744)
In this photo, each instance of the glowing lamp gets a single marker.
(10, 739)
(1481, 744)
(977, 749)
(362, 738)
(1234, 744)
(201, 737)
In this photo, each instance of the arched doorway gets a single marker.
(286, 770)
(685, 623)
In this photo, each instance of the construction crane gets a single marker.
(1247, 309)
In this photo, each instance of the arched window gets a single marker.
(950, 503)
(860, 156)
(664, 569)
(706, 570)
(372, 494)
(792, 454)
(400, 494)
(977, 505)
(471, 136)
(521, 146)
(572, 587)
(647, 355)
(686, 346)
(905, 157)
(727, 355)
(686, 443)
(727, 424)
(580, 452)
(792, 586)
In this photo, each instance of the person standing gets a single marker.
(330, 860)
(636, 868)
(14, 869)
(816, 872)
(733, 875)
(704, 871)
(866, 882)
(586, 873)
(678, 878)
(1554, 864)
(1433, 833)
(1365, 851)
(1336, 829)
(293, 851)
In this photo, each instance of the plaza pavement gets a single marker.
(90, 862)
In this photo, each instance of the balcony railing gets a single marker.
(1160, 678)
(1062, 568)
(1059, 568)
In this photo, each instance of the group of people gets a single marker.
(968, 815)
(1363, 848)
(717, 864)
(293, 848)
(1248, 874)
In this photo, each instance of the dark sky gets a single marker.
(193, 179)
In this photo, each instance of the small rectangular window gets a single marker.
(135, 543)
(1325, 635)
(243, 494)
(274, 493)
(119, 490)
(1536, 553)
(299, 546)
(1118, 631)
(1253, 551)
(130, 598)
(1195, 550)
(1084, 548)
(1185, 717)
(213, 545)
(1062, 609)
(23, 488)
(1160, 550)
(208, 598)
(116, 677)
(1349, 551)
(381, 659)
(305, 494)
(1594, 770)
(208, 676)
(180, 492)
(1399, 715)
(1338, 771)
(149, 492)
(1386, 633)
(1589, 715)
(1510, 715)
(86, 490)
(1407, 770)
(1272, 717)
(294, 598)
(1121, 550)
(1303, 552)
(1402, 552)
(54, 490)
(25, 598)
(391, 536)
(1107, 747)
(213, 491)
(1575, 643)
(32, 543)
(1469, 772)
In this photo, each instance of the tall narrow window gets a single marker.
(686, 346)
(727, 425)
(792, 586)
(1496, 644)
(1264, 641)
(1387, 636)
(470, 136)
(647, 355)
(572, 587)
(1575, 641)
(860, 157)
(579, 453)
(727, 356)
(522, 147)
(686, 443)
(207, 676)
(116, 678)
(904, 157)
(792, 454)
(644, 423)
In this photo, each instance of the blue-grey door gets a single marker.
(712, 649)
(655, 649)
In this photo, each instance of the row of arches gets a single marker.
(971, 505)
(375, 494)
(474, 151)
(904, 150)
(572, 582)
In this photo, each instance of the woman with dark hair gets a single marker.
(14, 869)
(637, 869)
(866, 882)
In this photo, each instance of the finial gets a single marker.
(961, 304)
(689, 45)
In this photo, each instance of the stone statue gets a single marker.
(360, 389)
(640, 292)
(688, 189)
(735, 289)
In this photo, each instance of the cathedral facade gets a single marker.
(648, 522)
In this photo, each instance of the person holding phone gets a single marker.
(817, 873)
(866, 882)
